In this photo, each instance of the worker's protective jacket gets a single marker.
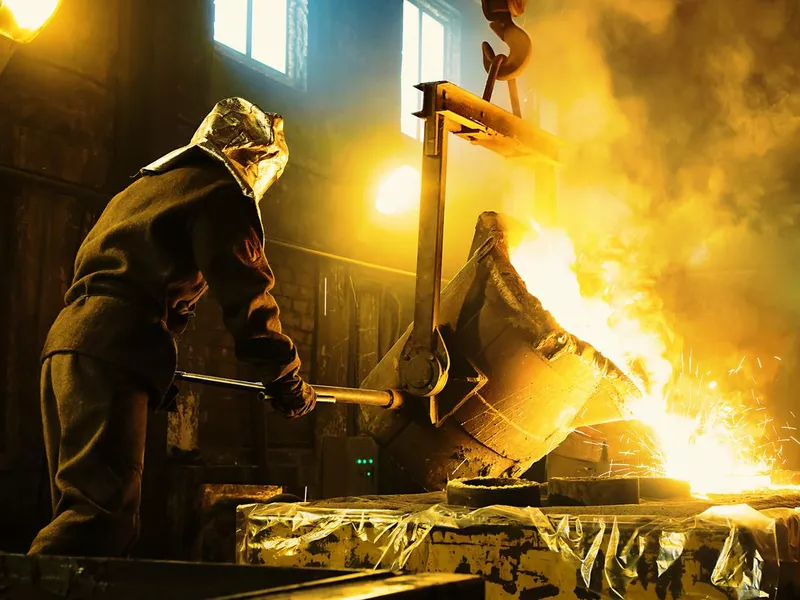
(190, 223)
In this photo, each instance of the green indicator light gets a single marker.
(369, 473)
(370, 461)
(358, 461)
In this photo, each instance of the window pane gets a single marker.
(410, 98)
(230, 23)
(270, 28)
(432, 49)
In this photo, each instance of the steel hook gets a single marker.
(500, 15)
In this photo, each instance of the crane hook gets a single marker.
(500, 14)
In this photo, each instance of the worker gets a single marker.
(189, 222)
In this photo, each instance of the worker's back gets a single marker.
(141, 246)
(136, 278)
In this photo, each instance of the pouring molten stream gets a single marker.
(700, 434)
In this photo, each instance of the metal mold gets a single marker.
(479, 492)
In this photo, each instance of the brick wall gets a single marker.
(296, 294)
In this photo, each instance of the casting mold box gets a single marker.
(725, 552)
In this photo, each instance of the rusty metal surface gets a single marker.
(216, 495)
(723, 552)
(425, 586)
(541, 379)
(592, 491)
(489, 491)
(482, 123)
(47, 577)
(215, 524)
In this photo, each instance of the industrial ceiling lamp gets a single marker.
(20, 22)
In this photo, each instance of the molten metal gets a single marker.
(699, 435)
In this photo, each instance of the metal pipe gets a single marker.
(352, 261)
(326, 394)
(342, 395)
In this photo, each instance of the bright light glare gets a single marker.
(423, 60)
(712, 442)
(409, 97)
(270, 28)
(432, 68)
(31, 14)
(230, 23)
(399, 191)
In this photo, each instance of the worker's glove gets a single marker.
(294, 398)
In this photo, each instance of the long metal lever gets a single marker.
(389, 399)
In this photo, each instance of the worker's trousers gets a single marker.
(95, 422)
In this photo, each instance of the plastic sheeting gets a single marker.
(725, 552)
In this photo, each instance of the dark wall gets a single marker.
(57, 148)
(110, 86)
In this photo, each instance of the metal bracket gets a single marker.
(463, 382)
(448, 109)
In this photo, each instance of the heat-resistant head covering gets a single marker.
(247, 140)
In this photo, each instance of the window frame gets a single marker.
(450, 18)
(296, 74)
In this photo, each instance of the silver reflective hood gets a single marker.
(247, 140)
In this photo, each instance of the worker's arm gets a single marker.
(230, 254)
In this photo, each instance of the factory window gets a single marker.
(269, 34)
(430, 42)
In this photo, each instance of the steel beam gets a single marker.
(424, 365)
(480, 122)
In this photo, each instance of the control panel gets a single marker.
(349, 466)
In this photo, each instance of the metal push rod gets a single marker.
(325, 394)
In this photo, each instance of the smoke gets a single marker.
(681, 120)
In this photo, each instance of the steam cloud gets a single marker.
(681, 120)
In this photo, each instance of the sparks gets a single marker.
(700, 433)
